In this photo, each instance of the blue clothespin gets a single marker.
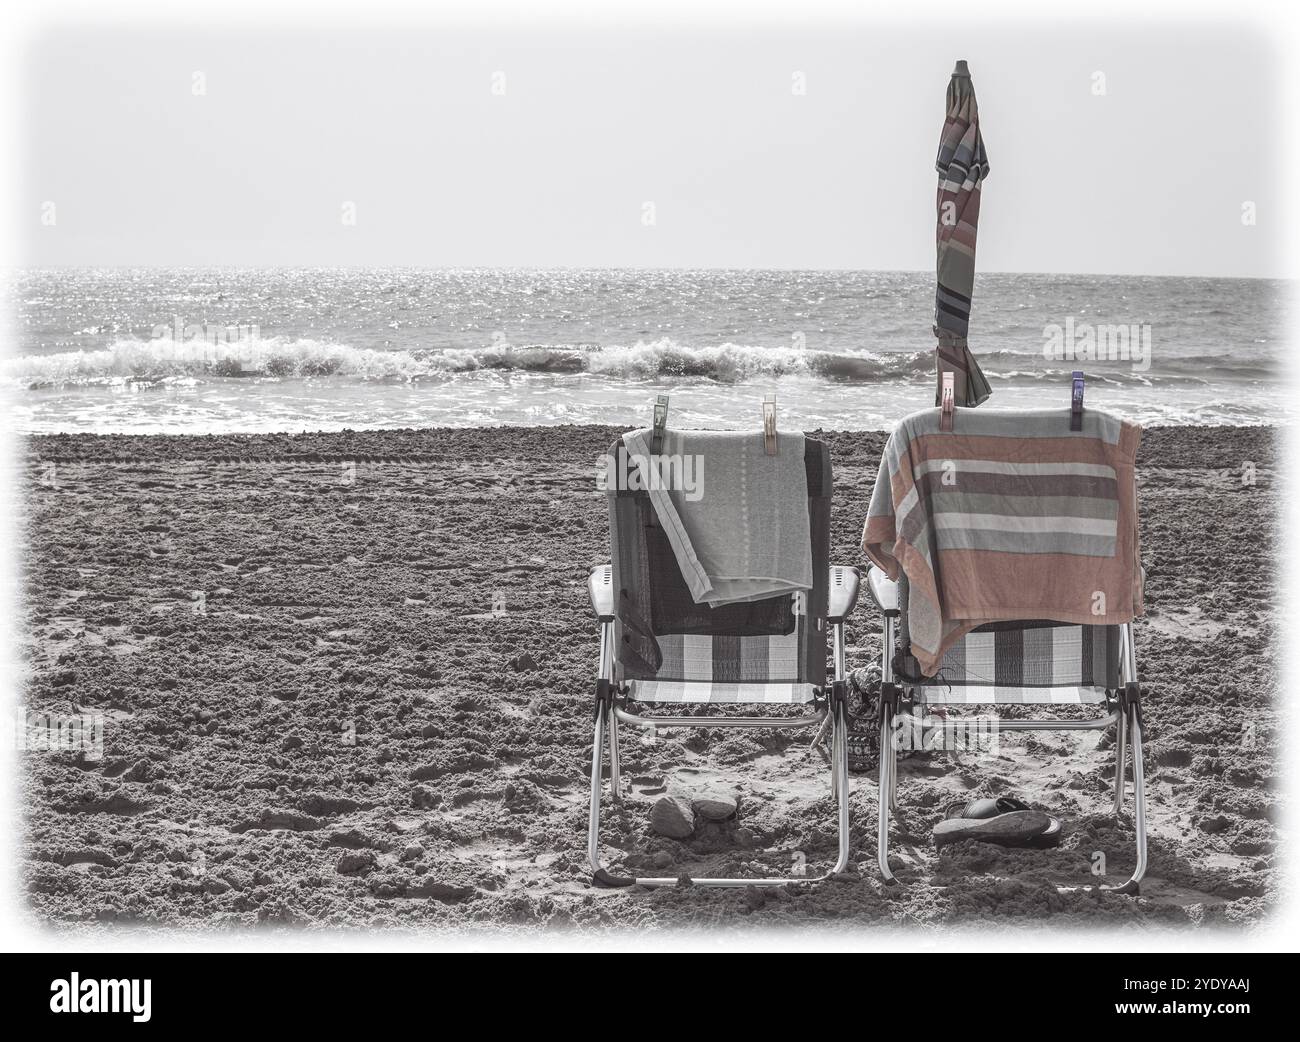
(661, 423)
(1076, 402)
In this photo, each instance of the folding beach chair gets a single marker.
(659, 648)
(1014, 663)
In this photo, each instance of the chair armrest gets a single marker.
(600, 586)
(884, 590)
(843, 592)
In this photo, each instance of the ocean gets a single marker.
(243, 350)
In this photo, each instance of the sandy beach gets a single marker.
(346, 681)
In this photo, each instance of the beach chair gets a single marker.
(660, 650)
(1014, 663)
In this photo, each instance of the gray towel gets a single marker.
(740, 531)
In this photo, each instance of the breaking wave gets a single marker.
(132, 361)
(278, 358)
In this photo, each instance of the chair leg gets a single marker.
(593, 820)
(887, 769)
(893, 778)
(837, 741)
(840, 777)
(615, 786)
(1121, 742)
(1131, 719)
(601, 876)
(821, 732)
(1130, 716)
(1139, 805)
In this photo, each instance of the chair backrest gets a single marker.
(1025, 490)
(662, 634)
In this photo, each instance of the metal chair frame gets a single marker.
(1125, 713)
(613, 707)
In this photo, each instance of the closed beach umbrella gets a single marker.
(962, 165)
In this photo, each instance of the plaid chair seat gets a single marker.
(701, 668)
(1025, 663)
(707, 691)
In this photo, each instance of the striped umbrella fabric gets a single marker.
(962, 164)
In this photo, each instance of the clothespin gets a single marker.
(1076, 401)
(947, 399)
(661, 423)
(769, 424)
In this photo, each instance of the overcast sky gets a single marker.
(404, 124)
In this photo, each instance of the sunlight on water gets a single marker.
(196, 352)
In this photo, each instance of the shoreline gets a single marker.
(380, 717)
(302, 444)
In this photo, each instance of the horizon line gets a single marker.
(616, 268)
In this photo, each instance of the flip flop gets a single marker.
(1005, 821)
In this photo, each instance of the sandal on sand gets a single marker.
(1005, 821)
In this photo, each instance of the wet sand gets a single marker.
(345, 681)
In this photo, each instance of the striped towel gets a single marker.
(1010, 516)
